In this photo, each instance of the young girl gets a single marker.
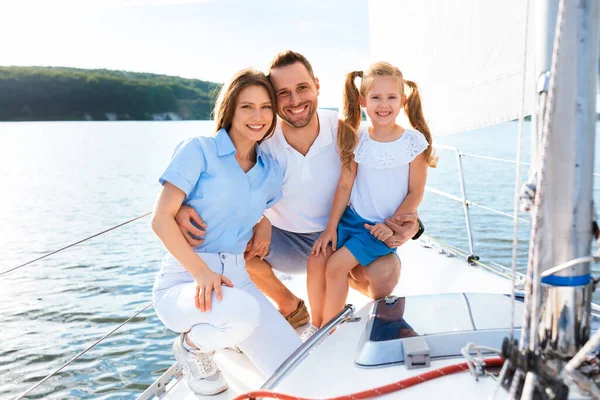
(384, 169)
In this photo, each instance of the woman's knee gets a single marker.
(242, 311)
(230, 322)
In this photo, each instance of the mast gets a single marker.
(565, 232)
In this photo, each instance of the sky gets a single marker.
(201, 39)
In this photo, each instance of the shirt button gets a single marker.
(223, 256)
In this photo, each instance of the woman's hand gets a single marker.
(260, 242)
(329, 235)
(380, 231)
(206, 282)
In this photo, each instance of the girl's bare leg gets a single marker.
(338, 267)
(315, 283)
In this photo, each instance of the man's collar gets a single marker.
(324, 136)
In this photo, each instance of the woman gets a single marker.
(204, 292)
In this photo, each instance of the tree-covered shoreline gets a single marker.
(71, 94)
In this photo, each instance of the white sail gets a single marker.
(467, 57)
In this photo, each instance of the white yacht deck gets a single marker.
(330, 369)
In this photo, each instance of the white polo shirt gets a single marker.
(309, 182)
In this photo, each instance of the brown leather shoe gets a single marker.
(299, 316)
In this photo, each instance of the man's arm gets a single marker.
(192, 234)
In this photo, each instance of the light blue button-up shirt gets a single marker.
(229, 200)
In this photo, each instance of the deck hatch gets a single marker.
(435, 326)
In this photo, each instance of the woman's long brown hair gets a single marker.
(351, 111)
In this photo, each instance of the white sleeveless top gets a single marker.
(381, 182)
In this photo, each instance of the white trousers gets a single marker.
(244, 316)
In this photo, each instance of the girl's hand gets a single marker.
(380, 231)
(206, 282)
(329, 235)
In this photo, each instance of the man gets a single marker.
(304, 144)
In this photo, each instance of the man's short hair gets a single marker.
(289, 57)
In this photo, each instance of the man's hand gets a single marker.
(193, 235)
(259, 243)
(405, 226)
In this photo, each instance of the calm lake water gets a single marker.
(65, 181)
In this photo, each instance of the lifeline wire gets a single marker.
(73, 244)
(82, 352)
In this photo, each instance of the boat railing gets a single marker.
(463, 199)
(470, 257)
(346, 315)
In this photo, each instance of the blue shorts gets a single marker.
(353, 235)
(289, 251)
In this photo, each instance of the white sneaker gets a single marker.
(203, 374)
(311, 330)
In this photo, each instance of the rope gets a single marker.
(530, 321)
(379, 391)
(500, 378)
(518, 181)
(529, 386)
(581, 355)
(514, 386)
(73, 244)
(82, 353)
(476, 362)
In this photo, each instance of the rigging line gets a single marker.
(82, 353)
(534, 268)
(518, 181)
(74, 244)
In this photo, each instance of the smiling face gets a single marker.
(384, 100)
(297, 94)
(253, 114)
